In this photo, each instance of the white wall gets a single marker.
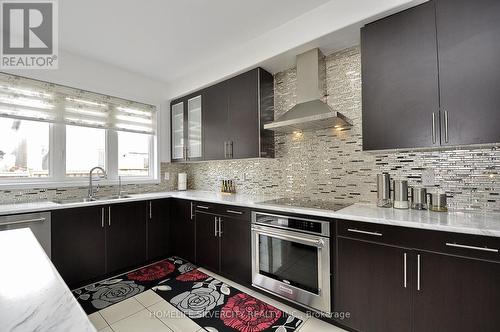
(91, 75)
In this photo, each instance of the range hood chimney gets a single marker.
(310, 112)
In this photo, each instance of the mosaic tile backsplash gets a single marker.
(327, 164)
(330, 164)
(38, 194)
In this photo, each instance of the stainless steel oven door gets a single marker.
(292, 265)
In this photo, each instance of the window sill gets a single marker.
(84, 182)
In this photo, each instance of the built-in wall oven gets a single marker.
(291, 259)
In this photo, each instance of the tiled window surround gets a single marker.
(329, 164)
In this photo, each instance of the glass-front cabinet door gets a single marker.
(178, 143)
(194, 133)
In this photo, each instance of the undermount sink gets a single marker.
(86, 199)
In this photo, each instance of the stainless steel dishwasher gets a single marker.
(39, 223)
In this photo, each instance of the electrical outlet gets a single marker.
(428, 177)
(166, 176)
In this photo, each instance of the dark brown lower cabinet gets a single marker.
(457, 294)
(158, 227)
(78, 243)
(125, 235)
(223, 245)
(207, 241)
(93, 242)
(371, 286)
(236, 250)
(182, 228)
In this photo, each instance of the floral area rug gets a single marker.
(212, 304)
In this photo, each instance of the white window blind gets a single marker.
(24, 98)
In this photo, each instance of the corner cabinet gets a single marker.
(186, 128)
(431, 76)
(93, 242)
(225, 120)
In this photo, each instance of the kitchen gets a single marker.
(318, 171)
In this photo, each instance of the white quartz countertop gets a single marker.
(33, 297)
(461, 222)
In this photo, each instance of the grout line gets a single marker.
(104, 319)
(126, 316)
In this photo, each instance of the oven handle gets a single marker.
(317, 243)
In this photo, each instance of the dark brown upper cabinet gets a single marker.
(233, 114)
(400, 81)
(215, 139)
(468, 35)
(431, 76)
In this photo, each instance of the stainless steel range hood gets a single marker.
(310, 112)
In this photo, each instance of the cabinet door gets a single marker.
(207, 241)
(468, 34)
(215, 121)
(158, 229)
(194, 130)
(457, 294)
(235, 253)
(126, 236)
(400, 80)
(177, 128)
(243, 115)
(78, 244)
(182, 229)
(371, 286)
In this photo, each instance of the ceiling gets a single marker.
(166, 39)
(189, 44)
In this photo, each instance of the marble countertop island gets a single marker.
(33, 297)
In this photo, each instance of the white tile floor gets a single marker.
(145, 313)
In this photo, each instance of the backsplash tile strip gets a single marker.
(329, 164)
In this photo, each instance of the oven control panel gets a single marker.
(292, 223)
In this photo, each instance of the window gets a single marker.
(24, 148)
(133, 154)
(85, 148)
(52, 134)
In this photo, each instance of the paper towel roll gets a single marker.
(182, 181)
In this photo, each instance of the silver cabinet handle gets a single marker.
(192, 210)
(220, 227)
(202, 207)
(102, 217)
(215, 226)
(23, 221)
(150, 211)
(404, 270)
(109, 215)
(317, 243)
(471, 247)
(233, 211)
(446, 126)
(353, 230)
(231, 149)
(433, 128)
(418, 272)
(225, 149)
